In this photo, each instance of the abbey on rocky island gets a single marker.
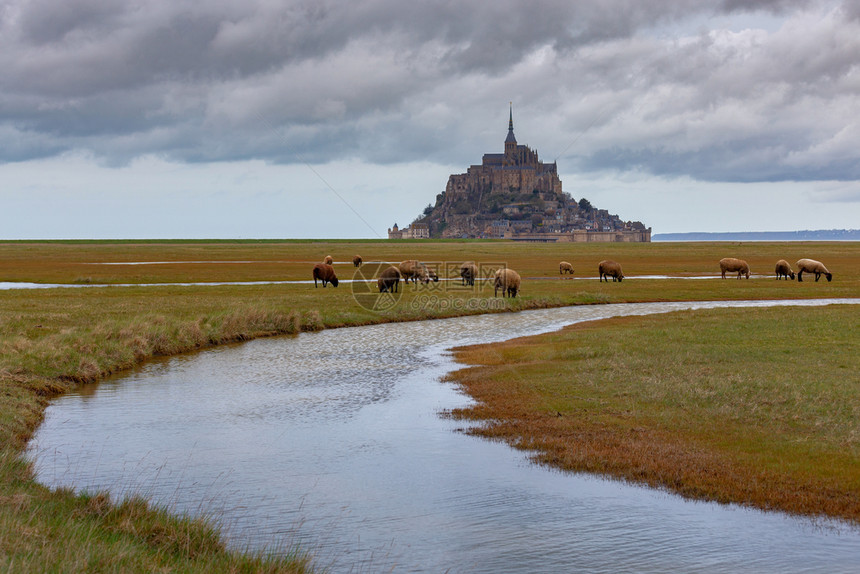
(516, 196)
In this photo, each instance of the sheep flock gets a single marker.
(509, 281)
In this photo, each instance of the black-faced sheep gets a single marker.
(415, 270)
(508, 281)
(324, 273)
(389, 280)
(812, 266)
(468, 272)
(356, 261)
(565, 267)
(734, 265)
(608, 268)
(783, 269)
(328, 260)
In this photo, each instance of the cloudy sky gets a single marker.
(281, 119)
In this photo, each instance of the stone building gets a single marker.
(516, 196)
(414, 231)
(518, 168)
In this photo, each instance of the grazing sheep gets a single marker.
(431, 274)
(389, 280)
(415, 270)
(732, 264)
(356, 261)
(509, 282)
(608, 268)
(328, 260)
(783, 269)
(565, 267)
(468, 272)
(813, 266)
(325, 273)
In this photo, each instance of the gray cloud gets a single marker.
(665, 87)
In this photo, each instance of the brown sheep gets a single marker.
(328, 260)
(468, 272)
(415, 270)
(813, 266)
(608, 268)
(356, 261)
(508, 281)
(431, 274)
(732, 264)
(783, 269)
(565, 267)
(389, 280)
(324, 273)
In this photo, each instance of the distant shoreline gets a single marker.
(806, 235)
(819, 235)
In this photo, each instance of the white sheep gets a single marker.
(812, 266)
(565, 267)
(508, 281)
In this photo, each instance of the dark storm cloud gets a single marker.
(663, 87)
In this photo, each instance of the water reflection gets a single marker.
(333, 440)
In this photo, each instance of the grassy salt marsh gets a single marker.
(54, 339)
(753, 406)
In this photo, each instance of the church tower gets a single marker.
(511, 140)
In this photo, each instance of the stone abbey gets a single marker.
(518, 168)
(516, 196)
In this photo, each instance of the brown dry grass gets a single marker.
(758, 407)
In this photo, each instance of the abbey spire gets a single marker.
(511, 140)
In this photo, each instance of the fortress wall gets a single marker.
(583, 236)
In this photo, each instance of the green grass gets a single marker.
(52, 340)
(58, 531)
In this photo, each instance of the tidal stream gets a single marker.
(335, 441)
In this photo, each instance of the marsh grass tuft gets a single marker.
(587, 298)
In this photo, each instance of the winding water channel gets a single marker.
(334, 441)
